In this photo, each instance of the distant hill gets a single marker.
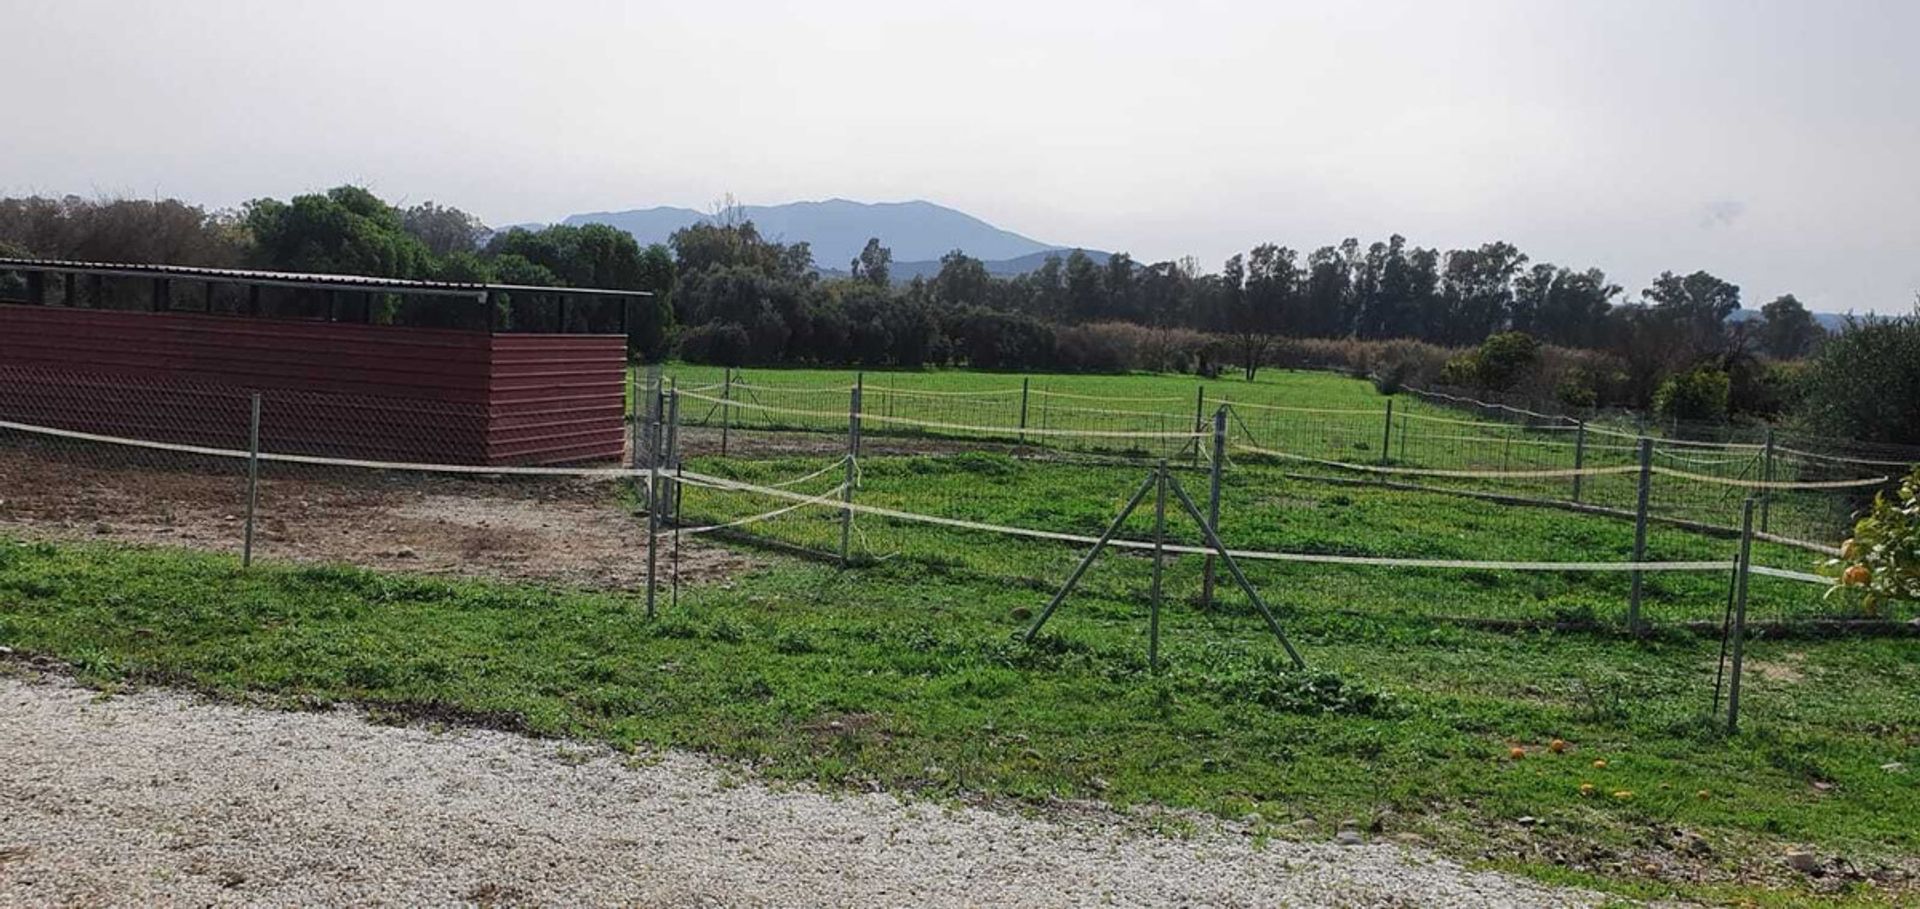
(918, 232)
(1831, 321)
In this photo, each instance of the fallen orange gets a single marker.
(1516, 752)
(1856, 576)
(1600, 764)
(1557, 746)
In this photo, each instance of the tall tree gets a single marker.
(1787, 330)
(874, 265)
(961, 281)
(1697, 305)
(444, 229)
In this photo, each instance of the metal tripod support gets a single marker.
(1162, 482)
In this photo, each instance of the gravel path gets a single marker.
(157, 798)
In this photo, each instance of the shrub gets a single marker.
(1504, 358)
(1700, 393)
(1094, 348)
(1882, 560)
(716, 343)
(1865, 383)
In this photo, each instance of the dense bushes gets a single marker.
(1865, 383)
(1697, 395)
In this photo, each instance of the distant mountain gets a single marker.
(838, 229)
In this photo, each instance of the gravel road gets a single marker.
(158, 798)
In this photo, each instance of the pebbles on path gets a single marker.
(158, 798)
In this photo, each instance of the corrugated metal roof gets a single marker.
(299, 279)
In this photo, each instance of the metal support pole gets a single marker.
(1386, 434)
(1024, 383)
(852, 475)
(1766, 493)
(653, 507)
(1159, 559)
(1579, 455)
(1233, 568)
(633, 420)
(253, 481)
(1213, 499)
(1073, 579)
(726, 410)
(1741, 570)
(1640, 531)
(1199, 420)
(859, 391)
(673, 424)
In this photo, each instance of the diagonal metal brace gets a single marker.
(1233, 568)
(1074, 579)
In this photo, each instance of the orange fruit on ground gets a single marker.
(1516, 752)
(1623, 794)
(1702, 794)
(1600, 764)
(1856, 576)
(1557, 746)
(1586, 789)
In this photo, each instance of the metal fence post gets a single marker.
(726, 410)
(1579, 455)
(852, 474)
(1386, 435)
(1740, 614)
(1766, 492)
(1024, 382)
(1199, 419)
(1213, 499)
(672, 446)
(633, 419)
(253, 481)
(653, 504)
(1159, 556)
(1640, 531)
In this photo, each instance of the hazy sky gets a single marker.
(1775, 144)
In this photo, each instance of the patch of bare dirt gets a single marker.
(565, 530)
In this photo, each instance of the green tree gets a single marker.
(599, 256)
(345, 230)
(1697, 306)
(1787, 329)
(1864, 383)
(1700, 393)
(874, 264)
(444, 230)
(961, 281)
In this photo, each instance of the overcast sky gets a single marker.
(1775, 144)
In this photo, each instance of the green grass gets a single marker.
(1324, 416)
(906, 671)
(915, 682)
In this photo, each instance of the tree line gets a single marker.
(723, 293)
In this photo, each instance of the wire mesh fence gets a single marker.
(1009, 483)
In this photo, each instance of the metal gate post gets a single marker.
(726, 410)
(1766, 493)
(253, 480)
(1213, 498)
(1579, 455)
(1159, 559)
(852, 475)
(1386, 435)
(1640, 531)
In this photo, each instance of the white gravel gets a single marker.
(157, 798)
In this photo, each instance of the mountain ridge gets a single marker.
(915, 230)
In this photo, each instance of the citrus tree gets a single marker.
(1881, 561)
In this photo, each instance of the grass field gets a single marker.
(906, 671)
